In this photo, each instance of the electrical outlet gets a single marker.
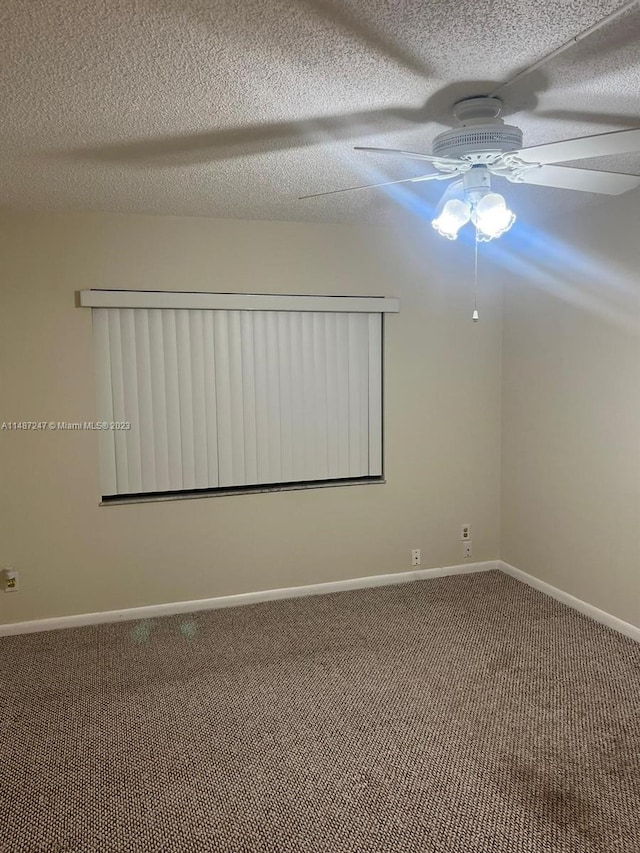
(465, 532)
(466, 549)
(416, 557)
(9, 580)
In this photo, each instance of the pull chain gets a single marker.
(474, 316)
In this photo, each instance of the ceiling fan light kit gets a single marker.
(472, 199)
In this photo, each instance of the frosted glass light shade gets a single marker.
(454, 215)
(492, 217)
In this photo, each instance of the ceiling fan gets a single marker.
(484, 147)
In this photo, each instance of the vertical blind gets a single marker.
(230, 398)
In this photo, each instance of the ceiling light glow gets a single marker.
(492, 217)
(454, 215)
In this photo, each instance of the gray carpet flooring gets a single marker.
(461, 715)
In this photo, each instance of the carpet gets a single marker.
(465, 714)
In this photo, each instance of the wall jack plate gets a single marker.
(9, 580)
(466, 549)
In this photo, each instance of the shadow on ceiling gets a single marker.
(356, 26)
(229, 143)
(610, 49)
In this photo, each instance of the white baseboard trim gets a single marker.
(595, 613)
(149, 612)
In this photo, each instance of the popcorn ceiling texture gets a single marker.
(233, 108)
(459, 715)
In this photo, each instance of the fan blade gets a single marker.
(412, 154)
(558, 51)
(584, 180)
(600, 145)
(434, 177)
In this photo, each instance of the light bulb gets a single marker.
(454, 215)
(492, 217)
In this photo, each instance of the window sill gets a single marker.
(237, 490)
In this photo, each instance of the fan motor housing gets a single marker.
(478, 142)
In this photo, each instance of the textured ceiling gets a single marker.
(234, 108)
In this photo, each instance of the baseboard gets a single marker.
(595, 613)
(174, 607)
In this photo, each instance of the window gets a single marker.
(236, 392)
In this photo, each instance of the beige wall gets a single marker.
(442, 404)
(571, 410)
